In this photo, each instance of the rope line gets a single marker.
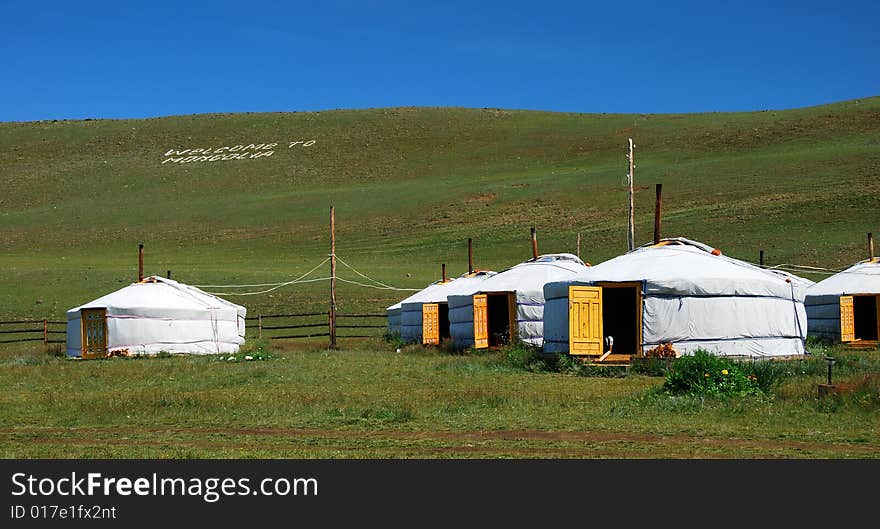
(297, 280)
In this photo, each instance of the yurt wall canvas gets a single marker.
(152, 316)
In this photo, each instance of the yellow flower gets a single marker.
(723, 371)
(706, 375)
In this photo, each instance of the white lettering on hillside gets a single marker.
(251, 151)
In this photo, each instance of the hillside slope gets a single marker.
(410, 185)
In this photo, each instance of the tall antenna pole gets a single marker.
(332, 278)
(630, 234)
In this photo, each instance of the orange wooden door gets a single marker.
(585, 321)
(94, 332)
(481, 321)
(430, 324)
(847, 320)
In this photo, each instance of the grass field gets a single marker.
(370, 402)
(410, 185)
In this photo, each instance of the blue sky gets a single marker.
(76, 60)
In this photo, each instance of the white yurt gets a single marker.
(845, 307)
(152, 316)
(424, 317)
(677, 292)
(394, 311)
(509, 306)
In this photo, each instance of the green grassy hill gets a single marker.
(410, 185)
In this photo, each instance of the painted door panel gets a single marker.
(430, 324)
(585, 321)
(481, 321)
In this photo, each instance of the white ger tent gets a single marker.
(424, 317)
(393, 312)
(509, 306)
(846, 306)
(680, 292)
(152, 316)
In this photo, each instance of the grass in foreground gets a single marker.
(375, 403)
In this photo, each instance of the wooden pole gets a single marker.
(534, 243)
(332, 278)
(140, 262)
(870, 246)
(657, 213)
(470, 255)
(46, 332)
(630, 234)
(443, 272)
(260, 325)
(761, 258)
(579, 246)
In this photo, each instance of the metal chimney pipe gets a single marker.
(657, 213)
(470, 255)
(534, 244)
(140, 262)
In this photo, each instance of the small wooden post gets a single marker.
(260, 325)
(761, 258)
(870, 246)
(140, 262)
(658, 213)
(534, 244)
(332, 278)
(579, 246)
(443, 272)
(46, 332)
(630, 234)
(470, 255)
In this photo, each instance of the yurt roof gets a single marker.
(861, 278)
(438, 290)
(683, 266)
(156, 292)
(532, 274)
(465, 284)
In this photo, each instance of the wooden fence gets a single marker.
(270, 326)
(316, 324)
(32, 331)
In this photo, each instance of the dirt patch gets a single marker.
(81, 435)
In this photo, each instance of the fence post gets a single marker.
(260, 325)
(45, 332)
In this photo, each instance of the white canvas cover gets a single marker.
(823, 298)
(527, 281)
(411, 308)
(695, 300)
(394, 311)
(163, 315)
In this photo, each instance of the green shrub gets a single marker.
(393, 338)
(525, 356)
(706, 374)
